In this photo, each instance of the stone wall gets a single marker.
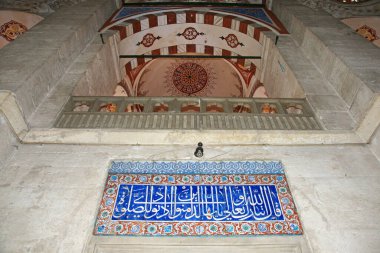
(32, 65)
(344, 10)
(12, 125)
(8, 141)
(59, 187)
(374, 145)
(278, 78)
(346, 60)
(100, 69)
(41, 7)
(93, 72)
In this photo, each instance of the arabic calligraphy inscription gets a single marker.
(197, 203)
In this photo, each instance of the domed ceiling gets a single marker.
(195, 77)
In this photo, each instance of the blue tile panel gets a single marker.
(205, 203)
(197, 167)
(197, 205)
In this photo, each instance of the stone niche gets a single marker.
(74, 61)
(104, 70)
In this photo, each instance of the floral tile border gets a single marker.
(196, 167)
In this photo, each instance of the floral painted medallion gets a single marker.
(367, 32)
(148, 40)
(232, 40)
(190, 78)
(12, 29)
(190, 33)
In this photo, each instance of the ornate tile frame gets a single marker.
(197, 173)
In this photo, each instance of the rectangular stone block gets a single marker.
(299, 10)
(66, 85)
(297, 29)
(374, 144)
(338, 74)
(278, 76)
(48, 111)
(20, 63)
(295, 57)
(349, 88)
(8, 141)
(363, 100)
(316, 85)
(317, 52)
(327, 103)
(11, 110)
(78, 68)
(82, 88)
(371, 120)
(336, 120)
(318, 18)
(369, 76)
(25, 100)
(104, 11)
(42, 26)
(283, 16)
(348, 53)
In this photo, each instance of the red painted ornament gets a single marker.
(148, 40)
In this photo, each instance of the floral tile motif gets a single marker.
(196, 167)
(196, 205)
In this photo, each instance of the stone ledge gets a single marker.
(189, 137)
(273, 244)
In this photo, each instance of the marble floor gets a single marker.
(49, 195)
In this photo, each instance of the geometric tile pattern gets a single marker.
(197, 204)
